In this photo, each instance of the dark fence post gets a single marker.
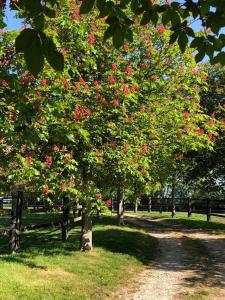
(65, 220)
(189, 208)
(208, 210)
(1, 203)
(15, 229)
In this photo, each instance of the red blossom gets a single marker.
(126, 147)
(63, 186)
(91, 39)
(125, 89)
(55, 148)
(147, 54)
(112, 79)
(45, 190)
(48, 161)
(44, 82)
(126, 47)
(28, 159)
(72, 183)
(200, 131)
(186, 114)
(186, 128)
(129, 71)
(160, 28)
(116, 102)
(81, 80)
(136, 22)
(98, 196)
(75, 15)
(108, 203)
(114, 67)
(68, 157)
(144, 150)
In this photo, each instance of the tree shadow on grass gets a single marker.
(133, 243)
(47, 242)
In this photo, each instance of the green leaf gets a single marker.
(70, 137)
(173, 37)
(166, 17)
(33, 55)
(182, 41)
(146, 17)
(129, 35)
(199, 56)
(86, 6)
(24, 39)
(118, 37)
(49, 12)
(54, 57)
(108, 33)
(220, 58)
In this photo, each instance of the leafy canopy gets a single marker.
(178, 16)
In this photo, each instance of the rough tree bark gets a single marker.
(65, 219)
(173, 199)
(15, 229)
(86, 231)
(120, 208)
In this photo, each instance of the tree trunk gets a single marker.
(86, 233)
(149, 204)
(66, 219)
(14, 233)
(189, 208)
(208, 210)
(136, 206)
(1, 204)
(173, 200)
(120, 208)
(161, 205)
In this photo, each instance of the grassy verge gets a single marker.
(34, 218)
(196, 221)
(50, 269)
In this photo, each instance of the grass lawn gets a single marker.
(196, 221)
(33, 218)
(48, 268)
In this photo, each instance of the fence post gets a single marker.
(189, 208)
(65, 220)
(15, 229)
(208, 210)
(1, 203)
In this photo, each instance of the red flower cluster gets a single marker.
(80, 112)
(98, 196)
(200, 131)
(116, 102)
(144, 150)
(186, 115)
(108, 203)
(45, 190)
(48, 161)
(28, 159)
(63, 186)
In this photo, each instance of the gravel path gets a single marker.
(174, 272)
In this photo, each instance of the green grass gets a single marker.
(34, 218)
(196, 221)
(48, 268)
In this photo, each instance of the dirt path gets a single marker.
(190, 265)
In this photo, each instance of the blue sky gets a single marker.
(10, 20)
